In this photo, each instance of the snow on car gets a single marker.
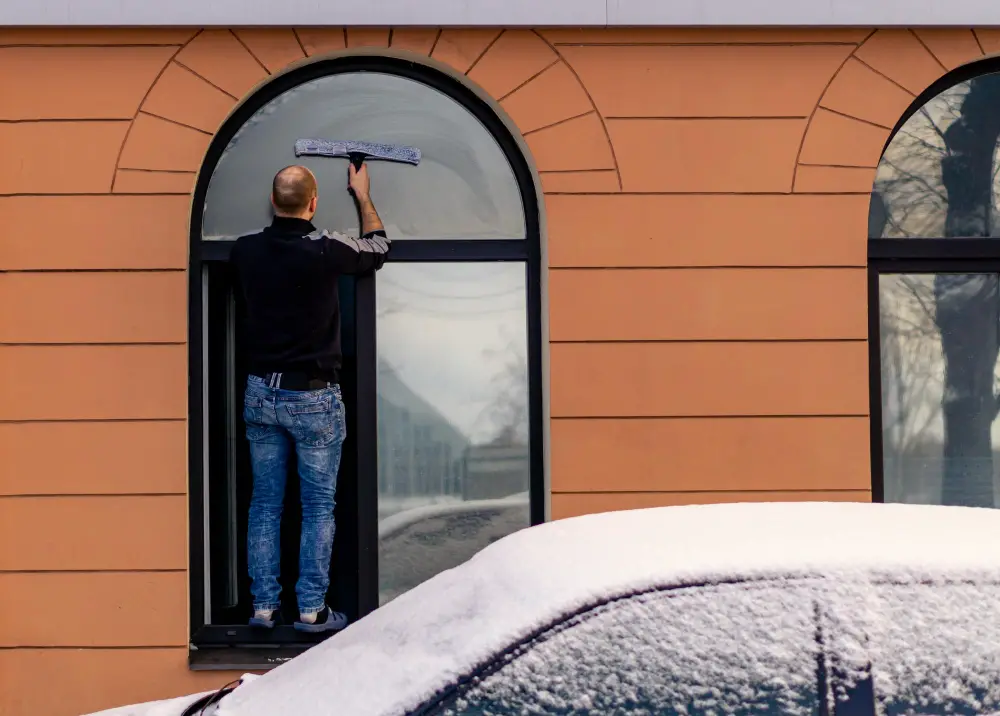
(807, 608)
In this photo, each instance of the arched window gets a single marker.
(934, 250)
(442, 347)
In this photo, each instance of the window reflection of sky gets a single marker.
(463, 188)
(456, 335)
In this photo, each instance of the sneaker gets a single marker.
(326, 620)
(264, 620)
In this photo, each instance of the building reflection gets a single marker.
(442, 497)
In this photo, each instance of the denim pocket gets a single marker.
(315, 421)
(253, 408)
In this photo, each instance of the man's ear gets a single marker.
(313, 202)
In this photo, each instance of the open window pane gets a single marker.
(939, 175)
(464, 186)
(939, 352)
(229, 478)
(453, 454)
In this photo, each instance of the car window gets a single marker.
(724, 649)
(935, 648)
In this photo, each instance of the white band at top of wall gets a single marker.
(509, 13)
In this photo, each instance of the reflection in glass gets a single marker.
(939, 175)
(464, 186)
(939, 349)
(453, 459)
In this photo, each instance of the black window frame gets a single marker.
(917, 255)
(526, 250)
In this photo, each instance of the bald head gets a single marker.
(293, 192)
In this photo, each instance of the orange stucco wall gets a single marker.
(706, 196)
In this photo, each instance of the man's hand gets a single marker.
(358, 182)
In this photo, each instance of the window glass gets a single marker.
(727, 649)
(939, 175)
(464, 186)
(939, 349)
(453, 457)
(935, 649)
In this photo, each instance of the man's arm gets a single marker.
(370, 222)
(357, 256)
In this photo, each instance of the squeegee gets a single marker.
(357, 152)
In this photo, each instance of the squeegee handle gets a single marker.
(357, 159)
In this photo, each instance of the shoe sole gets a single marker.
(318, 628)
(261, 623)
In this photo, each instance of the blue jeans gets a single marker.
(312, 422)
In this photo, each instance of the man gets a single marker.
(288, 275)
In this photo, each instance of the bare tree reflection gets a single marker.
(937, 180)
(507, 411)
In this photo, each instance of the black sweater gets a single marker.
(287, 277)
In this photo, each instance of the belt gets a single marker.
(294, 381)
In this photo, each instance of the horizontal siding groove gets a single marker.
(178, 172)
(724, 416)
(94, 270)
(91, 647)
(64, 120)
(835, 166)
(95, 345)
(88, 647)
(74, 46)
(727, 416)
(713, 267)
(59, 120)
(105, 495)
(577, 171)
(708, 492)
(45, 647)
(93, 571)
(631, 341)
(93, 420)
(91, 193)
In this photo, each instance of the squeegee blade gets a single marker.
(320, 147)
(371, 150)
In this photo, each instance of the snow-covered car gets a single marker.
(820, 609)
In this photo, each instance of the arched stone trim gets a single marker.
(847, 132)
(215, 69)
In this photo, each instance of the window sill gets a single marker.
(217, 648)
(241, 658)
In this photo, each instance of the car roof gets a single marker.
(425, 639)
